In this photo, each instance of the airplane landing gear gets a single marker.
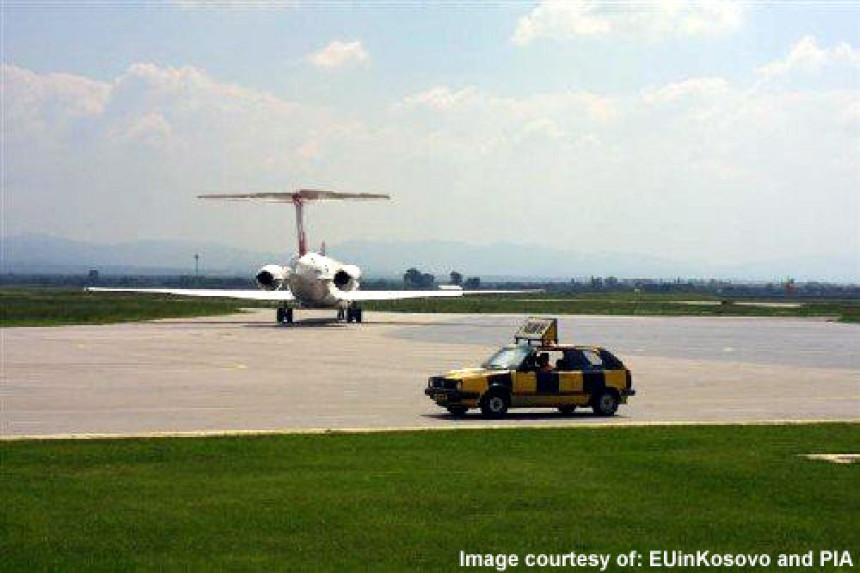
(353, 314)
(285, 315)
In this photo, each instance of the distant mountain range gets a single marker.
(44, 254)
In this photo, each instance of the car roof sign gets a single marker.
(539, 330)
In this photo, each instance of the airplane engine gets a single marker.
(271, 277)
(346, 278)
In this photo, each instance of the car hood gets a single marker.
(462, 373)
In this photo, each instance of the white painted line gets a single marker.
(454, 427)
(834, 458)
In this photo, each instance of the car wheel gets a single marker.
(605, 403)
(458, 410)
(495, 404)
(567, 410)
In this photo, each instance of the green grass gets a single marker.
(52, 307)
(620, 304)
(409, 501)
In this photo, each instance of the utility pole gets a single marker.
(197, 268)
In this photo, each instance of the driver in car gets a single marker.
(543, 364)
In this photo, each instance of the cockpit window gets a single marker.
(508, 358)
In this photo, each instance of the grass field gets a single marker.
(624, 304)
(410, 501)
(51, 306)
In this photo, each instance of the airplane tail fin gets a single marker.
(298, 199)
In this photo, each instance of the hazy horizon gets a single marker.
(722, 131)
(45, 254)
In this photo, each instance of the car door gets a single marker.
(593, 375)
(525, 383)
(546, 383)
(575, 370)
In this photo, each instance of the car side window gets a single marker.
(528, 363)
(593, 358)
(610, 361)
(575, 360)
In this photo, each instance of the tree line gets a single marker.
(415, 279)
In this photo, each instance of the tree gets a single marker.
(472, 283)
(412, 278)
(456, 278)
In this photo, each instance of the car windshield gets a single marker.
(507, 358)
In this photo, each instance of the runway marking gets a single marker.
(834, 458)
(389, 429)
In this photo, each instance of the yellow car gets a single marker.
(542, 375)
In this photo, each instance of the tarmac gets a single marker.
(244, 373)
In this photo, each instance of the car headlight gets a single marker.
(459, 384)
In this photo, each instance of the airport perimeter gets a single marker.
(244, 373)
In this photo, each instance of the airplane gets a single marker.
(309, 280)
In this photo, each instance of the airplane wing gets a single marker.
(363, 295)
(285, 295)
(277, 295)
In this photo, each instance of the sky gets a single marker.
(719, 131)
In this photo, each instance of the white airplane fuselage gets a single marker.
(316, 281)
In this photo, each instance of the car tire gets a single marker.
(567, 410)
(458, 410)
(281, 315)
(605, 403)
(495, 404)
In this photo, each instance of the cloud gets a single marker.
(699, 167)
(470, 99)
(340, 54)
(439, 98)
(49, 101)
(699, 88)
(121, 152)
(151, 128)
(807, 56)
(567, 19)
